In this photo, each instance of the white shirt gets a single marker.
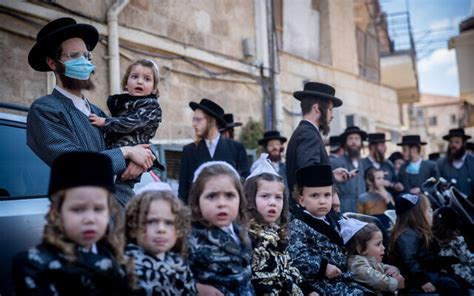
(375, 164)
(80, 103)
(459, 163)
(212, 146)
(319, 218)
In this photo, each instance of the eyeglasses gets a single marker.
(198, 119)
(77, 54)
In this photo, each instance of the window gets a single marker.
(350, 120)
(432, 121)
(453, 118)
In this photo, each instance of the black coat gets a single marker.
(194, 155)
(427, 169)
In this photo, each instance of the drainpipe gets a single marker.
(113, 40)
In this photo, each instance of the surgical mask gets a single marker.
(413, 168)
(80, 68)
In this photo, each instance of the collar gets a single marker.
(459, 163)
(315, 217)
(93, 249)
(418, 162)
(375, 164)
(214, 141)
(80, 103)
(312, 124)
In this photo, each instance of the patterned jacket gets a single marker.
(313, 245)
(272, 272)
(168, 276)
(216, 259)
(367, 271)
(459, 249)
(43, 270)
(134, 120)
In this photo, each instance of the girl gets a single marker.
(157, 224)
(272, 273)
(219, 247)
(411, 248)
(446, 230)
(365, 249)
(80, 253)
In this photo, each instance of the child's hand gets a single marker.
(428, 287)
(313, 294)
(208, 290)
(96, 120)
(392, 271)
(401, 281)
(332, 271)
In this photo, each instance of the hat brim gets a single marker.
(411, 143)
(362, 134)
(448, 137)
(377, 141)
(209, 112)
(303, 94)
(39, 51)
(265, 140)
(230, 126)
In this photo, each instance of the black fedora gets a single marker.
(353, 130)
(334, 143)
(230, 124)
(210, 108)
(53, 34)
(434, 156)
(411, 140)
(318, 90)
(375, 138)
(456, 132)
(271, 135)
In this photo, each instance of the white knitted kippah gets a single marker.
(261, 166)
(212, 163)
(349, 227)
(154, 186)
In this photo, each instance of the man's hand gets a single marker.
(341, 174)
(141, 155)
(96, 120)
(428, 287)
(332, 271)
(207, 290)
(132, 172)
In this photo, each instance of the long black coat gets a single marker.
(194, 155)
(427, 169)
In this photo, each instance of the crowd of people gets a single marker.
(274, 228)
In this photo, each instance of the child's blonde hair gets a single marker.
(358, 243)
(139, 207)
(145, 63)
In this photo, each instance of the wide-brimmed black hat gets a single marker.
(53, 34)
(230, 124)
(434, 156)
(334, 143)
(210, 108)
(411, 140)
(375, 138)
(271, 135)
(456, 132)
(353, 130)
(318, 175)
(318, 90)
(470, 145)
(74, 169)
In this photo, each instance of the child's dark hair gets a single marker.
(358, 243)
(369, 176)
(145, 63)
(251, 188)
(298, 190)
(198, 187)
(446, 225)
(137, 213)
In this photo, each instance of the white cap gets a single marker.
(154, 186)
(349, 227)
(261, 166)
(211, 163)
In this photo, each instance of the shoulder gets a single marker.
(38, 257)
(50, 101)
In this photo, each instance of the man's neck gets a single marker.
(212, 134)
(72, 91)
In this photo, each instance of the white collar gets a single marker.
(374, 162)
(80, 103)
(312, 124)
(214, 141)
(418, 162)
(459, 163)
(323, 218)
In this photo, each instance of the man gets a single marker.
(335, 147)
(470, 148)
(306, 146)
(376, 159)
(227, 130)
(416, 170)
(209, 145)
(458, 165)
(272, 144)
(59, 122)
(350, 190)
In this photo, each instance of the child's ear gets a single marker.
(301, 200)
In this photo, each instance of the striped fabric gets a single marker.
(56, 126)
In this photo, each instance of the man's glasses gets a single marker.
(77, 54)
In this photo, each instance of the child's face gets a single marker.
(269, 200)
(378, 179)
(160, 233)
(85, 214)
(140, 81)
(375, 247)
(317, 200)
(219, 201)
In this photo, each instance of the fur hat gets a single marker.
(314, 176)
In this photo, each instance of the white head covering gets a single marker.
(212, 163)
(154, 186)
(349, 227)
(262, 165)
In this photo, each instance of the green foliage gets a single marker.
(252, 131)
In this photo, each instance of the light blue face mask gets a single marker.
(80, 68)
(413, 168)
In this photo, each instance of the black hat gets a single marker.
(449, 217)
(229, 119)
(411, 140)
(405, 202)
(456, 132)
(334, 143)
(353, 130)
(318, 175)
(434, 156)
(395, 156)
(75, 169)
(470, 145)
(271, 135)
(53, 34)
(210, 108)
(376, 138)
(318, 90)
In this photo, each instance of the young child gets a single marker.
(157, 224)
(413, 251)
(220, 254)
(315, 245)
(272, 272)
(364, 246)
(377, 199)
(446, 230)
(80, 253)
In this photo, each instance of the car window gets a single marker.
(22, 173)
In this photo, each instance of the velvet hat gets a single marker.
(334, 143)
(318, 90)
(411, 140)
(456, 132)
(314, 176)
(210, 108)
(271, 135)
(375, 138)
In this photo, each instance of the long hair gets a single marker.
(250, 190)
(137, 212)
(198, 188)
(145, 63)
(414, 219)
(358, 243)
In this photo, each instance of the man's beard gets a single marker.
(323, 122)
(353, 153)
(71, 83)
(274, 157)
(379, 156)
(455, 155)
